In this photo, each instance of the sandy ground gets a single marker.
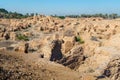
(17, 66)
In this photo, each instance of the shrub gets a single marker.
(22, 37)
(78, 39)
(61, 17)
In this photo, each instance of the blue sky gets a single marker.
(62, 7)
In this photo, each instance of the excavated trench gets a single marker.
(73, 60)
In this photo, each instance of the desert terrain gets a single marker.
(50, 48)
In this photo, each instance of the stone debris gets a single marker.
(88, 46)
